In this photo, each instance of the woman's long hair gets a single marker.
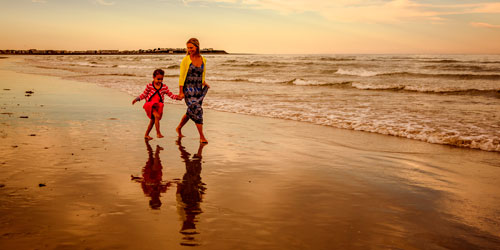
(196, 43)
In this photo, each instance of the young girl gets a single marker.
(154, 94)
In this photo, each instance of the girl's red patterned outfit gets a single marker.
(154, 98)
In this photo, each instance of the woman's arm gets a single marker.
(204, 68)
(184, 67)
(181, 92)
(183, 73)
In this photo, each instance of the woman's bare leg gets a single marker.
(202, 136)
(183, 122)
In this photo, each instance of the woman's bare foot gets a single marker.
(179, 133)
(147, 137)
(159, 135)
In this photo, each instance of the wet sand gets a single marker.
(76, 174)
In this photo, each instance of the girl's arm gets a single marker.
(145, 93)
(136, 100)
(170, 94)
(142, 96)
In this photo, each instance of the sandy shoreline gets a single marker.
(261, 183)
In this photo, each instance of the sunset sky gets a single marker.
(255, 26)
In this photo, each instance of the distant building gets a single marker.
(108, 52)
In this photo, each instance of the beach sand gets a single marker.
(77, 174)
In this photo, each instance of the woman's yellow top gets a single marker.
(186, 61)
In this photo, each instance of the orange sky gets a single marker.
(255, 26)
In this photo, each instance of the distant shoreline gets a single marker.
(155, 51)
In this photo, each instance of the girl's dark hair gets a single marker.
(158, 72)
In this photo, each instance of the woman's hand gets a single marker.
(181, 92)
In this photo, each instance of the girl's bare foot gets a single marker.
(179, 133)
(147, 137)
(159, 135)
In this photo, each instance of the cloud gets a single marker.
(103, 2)
(379, 11)
(487, 8)
(383, 11)
(484, 25)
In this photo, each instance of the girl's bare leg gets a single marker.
(150, 126)
(157, 124)
(183, 122)
(202, 136)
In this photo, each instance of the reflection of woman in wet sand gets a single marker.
(151, 180)
(189, 194)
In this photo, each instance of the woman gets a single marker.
(192, 87)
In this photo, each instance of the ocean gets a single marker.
(442, 99)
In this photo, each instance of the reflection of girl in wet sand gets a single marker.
(189, 194)
(151, 180)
